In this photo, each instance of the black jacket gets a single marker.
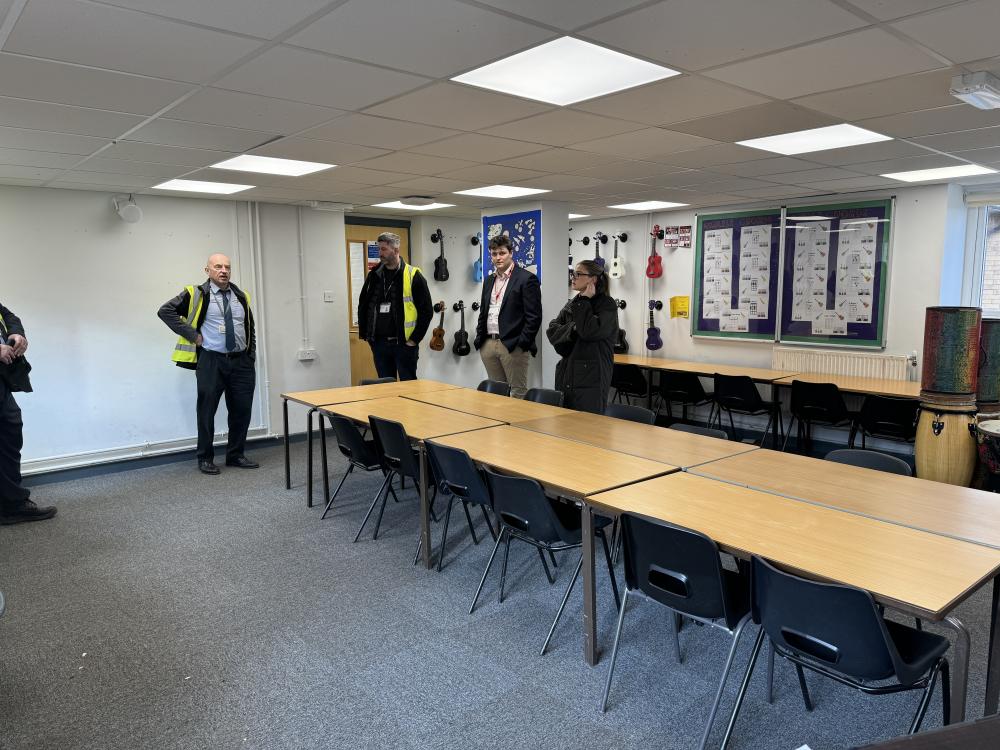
(370, 297)
(174, 311)
(15, 375)
(584, 372)
(520, 311)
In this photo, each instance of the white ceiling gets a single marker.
(122, 94)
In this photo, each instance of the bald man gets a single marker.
(217, 341)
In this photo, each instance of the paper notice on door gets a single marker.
(357, 253)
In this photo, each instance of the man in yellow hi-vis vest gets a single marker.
(394, 311)
(217, 340)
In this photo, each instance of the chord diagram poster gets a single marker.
(835, 273)
(525, 232)
(736, 275)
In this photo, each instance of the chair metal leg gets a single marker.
(770, 672)
(945, 692)
(675, 622)
(803, 687)
(472, 529)
(611, 567)
(784, 443)
(378, 495)
(743, 690)
(503, 533)
(489, 524)
(614, 652)
(444, 534)
(722, 680)
(552, 557)
(381, 511)
(562, 606)
(503, 570)
(548, 573)
(732, 425)
(333, 497)
(420, 546)
(925, 700)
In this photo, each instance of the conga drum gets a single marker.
(945, 446)
(988, 382)
(987, 434)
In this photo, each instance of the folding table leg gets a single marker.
(993, 663)
(589, 592)
(309, 458)
(425, 524)
(288, 463)
(960, 673)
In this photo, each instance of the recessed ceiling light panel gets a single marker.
(502, 191)
(565, 71)
(942, 173)
(648, 205)
(271, 165)
(816, 139)
(411, 207)
(200, 186)
(578, 216)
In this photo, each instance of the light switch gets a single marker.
(328, 296)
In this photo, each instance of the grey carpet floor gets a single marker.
(166, 609)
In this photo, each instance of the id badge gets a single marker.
(385, 308)
(222, 327)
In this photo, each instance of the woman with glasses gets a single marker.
(584, 334)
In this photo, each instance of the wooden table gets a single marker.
(655, 443)
(642, 360)
(914, 571)
(566, 467)
(854, 384)
(421, 422)
(323, 396)
(490, 405)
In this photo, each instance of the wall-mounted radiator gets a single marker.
(860, 364)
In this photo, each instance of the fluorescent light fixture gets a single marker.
(872, 220)
(816, 139)
(408, 207)
(199, 186)
(501, 191)
(565, 71)
(981, 90)
(648, 205)
(270, 165)
(578, 216)
(942, 173)
(808, 218)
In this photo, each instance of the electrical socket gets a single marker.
(306, 355)
(328, 296)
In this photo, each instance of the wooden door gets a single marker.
(362, 364)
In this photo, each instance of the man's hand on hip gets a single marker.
(18, 343)
(6, 354)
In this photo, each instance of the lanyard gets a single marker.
(498, 289)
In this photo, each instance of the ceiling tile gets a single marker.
(861, 57)
(442, 37)
(315, 78)
(404, 161)
(903, 94)
(25, 158)
(78, 184)
(754, 122)
(559, 160)
(51, 81)
(562, 127)
(477, 147)
(629, 171)
(927, 161)
(37, 140)
(963, 140)
(493, 174)
(854, 183)
(673, 100)
(867, 152)
(650, 143)
(728, 185)
(812, 175)
(990, 156)
(118, 39)
(688, 178)
(666, 31)
(778, 191)
(121, 166)
(366, 176)
(261, 18)
(17, 180)
(380, 132)
(456, 106)
(21, 113)
(268, 180)
(615, 187)
(562, 182)
(327, 152)
(565, 14)
(726, 153)
(149, 152)
(168, 132)
(24, 172)
(107, 179)
(959, 32)
(238, 110)
(886, 10)
(430, 185)
(934, 121)
(761, 167)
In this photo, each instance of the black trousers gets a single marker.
(11, 440)
(236, 378)
(395, 359)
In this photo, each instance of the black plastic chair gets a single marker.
(632, 413)
(837, 631)
(695, 429)
(629, 381)
(544, 396)
(458, 476)
(818, 403)
(870, 460)
(682, 570)
(686, 389)
(738, 394)
(3, 605)
(889, 418)
(495, 386)
(376, 381)
(359, 452)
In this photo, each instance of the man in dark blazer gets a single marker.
(15, 507)
(510, 315)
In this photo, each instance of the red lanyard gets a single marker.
(497, 289)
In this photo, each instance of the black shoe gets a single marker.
(207, 467)
(242, 462)
(23, 512)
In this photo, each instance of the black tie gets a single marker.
(227, 314)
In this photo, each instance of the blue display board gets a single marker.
(525, 232)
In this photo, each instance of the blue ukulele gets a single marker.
(477, 264)
(653, 340)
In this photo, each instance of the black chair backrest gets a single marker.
(870, 460)
(695, 429)
(2, 603)
(351, 443)
(376, 381)
(495, 386)
(836, 626)
(394, 449)
(678, 567)
(818, 402)
(632, 413)
(628, 379)
(544, 396)
(737, 393)
(682, 386)
(521, 504)
(457, 474)
(889, 417)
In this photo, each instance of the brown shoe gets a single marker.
(23, 512)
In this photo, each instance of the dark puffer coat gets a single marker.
(584, 333)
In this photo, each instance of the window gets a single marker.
(981, 287)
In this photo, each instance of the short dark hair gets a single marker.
(601, 285)
(502, 240)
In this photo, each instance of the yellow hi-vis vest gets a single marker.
(409, 309)
(184, 350)
(3, 330)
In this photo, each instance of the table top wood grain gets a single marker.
(421, 421)
(324, 396)
(854, 384)
(490, 405)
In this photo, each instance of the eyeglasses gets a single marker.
(578, 273)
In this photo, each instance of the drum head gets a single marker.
(991, 427)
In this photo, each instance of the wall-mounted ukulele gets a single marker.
(653, 340)
(654, 266)
(461, 346)
(599, 239)
(618, 264)
(621, 345)
(440, 262)
(477, 264)
(437, 335)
